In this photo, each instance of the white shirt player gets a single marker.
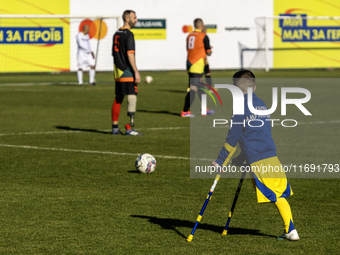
(84, 55)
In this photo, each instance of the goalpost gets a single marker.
(293, 39)
(47, 43)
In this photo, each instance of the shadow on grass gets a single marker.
(174, 91)
(83, 130)
(134, 172)
(173, 223)
(161, 112)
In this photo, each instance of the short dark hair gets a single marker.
(126, 13)
(197, 22)
(243, 75)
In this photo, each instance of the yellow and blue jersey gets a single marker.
(256, 142)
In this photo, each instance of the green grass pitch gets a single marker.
(69, 187)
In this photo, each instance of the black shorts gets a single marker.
(194, 78)
(126, 88)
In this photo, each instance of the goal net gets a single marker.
(294, 41)
(47, 43)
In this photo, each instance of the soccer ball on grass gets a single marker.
(145, 163)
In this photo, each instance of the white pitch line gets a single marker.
(38, 133)
(38, 84)
(156, 128)
(79, 131)
(96, 152)
(299, 123)
(319, 122)
(163, 128)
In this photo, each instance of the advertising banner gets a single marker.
(34, 45)
(306, 43)
(44, 45)
(150, 29)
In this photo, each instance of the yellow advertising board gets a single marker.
(150, 29)
(34, 45)
(211, 29)
(306, 43)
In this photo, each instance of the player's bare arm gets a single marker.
(132, 61)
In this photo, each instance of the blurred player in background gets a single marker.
(206, 64)
(198, 48)
(126, 73)
(259, 151)
(85, 56)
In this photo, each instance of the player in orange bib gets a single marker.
(198, 48)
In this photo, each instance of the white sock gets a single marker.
(92, 74)
(80, 76)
